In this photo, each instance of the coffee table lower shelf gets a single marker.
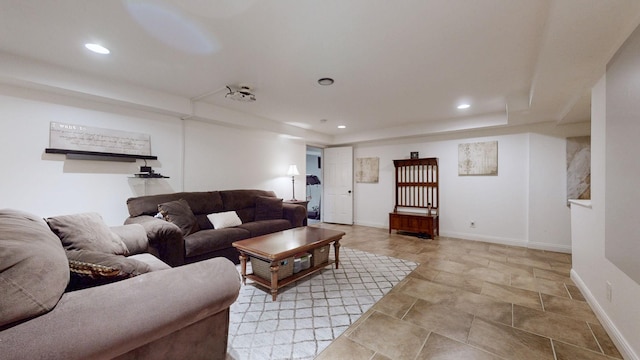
(288, 280)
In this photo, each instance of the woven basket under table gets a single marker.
(262, 268)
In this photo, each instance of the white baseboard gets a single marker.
(369, 224)
(511, 242)
(489, 239)
(621, 343)
(549, 247)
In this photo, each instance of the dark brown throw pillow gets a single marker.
(91, 268)
(86, 231)
(268, 208)
(179, 213)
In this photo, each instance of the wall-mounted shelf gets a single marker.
(149, 176)
(101, 156)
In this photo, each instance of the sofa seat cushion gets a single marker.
(153, 262)
(209, 240)
(34, 270)
(263, 227)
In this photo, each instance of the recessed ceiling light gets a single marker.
(97, 48)
(325, 81)
(342, 126)
(464, 106)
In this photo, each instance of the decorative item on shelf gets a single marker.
(414, 155)
(148, 173)
(293, 171)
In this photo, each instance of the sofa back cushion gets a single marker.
(243, 202)
(201, 203)
(179, 212)
(34, 270)
(86, 231)
(268, 208)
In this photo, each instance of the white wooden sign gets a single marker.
(86, 138)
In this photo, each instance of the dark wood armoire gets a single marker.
(417, 198)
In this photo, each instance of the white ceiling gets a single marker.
(400, 67)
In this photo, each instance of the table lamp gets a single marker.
(293, 171)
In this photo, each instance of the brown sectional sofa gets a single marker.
(179, 242)
(164, 313)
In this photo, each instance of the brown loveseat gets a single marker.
(185, 233)
(164, 313)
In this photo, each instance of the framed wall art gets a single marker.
(578, 168)
(479, 158)
(367, 169)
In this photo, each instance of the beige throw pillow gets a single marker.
(224, 219)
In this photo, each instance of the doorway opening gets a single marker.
(314, 184)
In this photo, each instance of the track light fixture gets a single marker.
(242, 94)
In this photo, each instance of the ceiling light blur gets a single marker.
(342, 126)
(99, 49)
(463, 106)
(325, 81)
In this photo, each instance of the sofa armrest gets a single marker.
(110, 320)
(134, 236)
(295, 213)
(165, 239)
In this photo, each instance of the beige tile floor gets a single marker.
(471, 300)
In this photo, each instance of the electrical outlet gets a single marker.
(472, 224)
(609, 291)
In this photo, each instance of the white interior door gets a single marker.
(337, 204)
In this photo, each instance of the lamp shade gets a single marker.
(293, 170)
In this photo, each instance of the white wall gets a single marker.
(48, 184)
(215, 157)
(524, 205)
(590, 269)
(549, 213)
(220, 157)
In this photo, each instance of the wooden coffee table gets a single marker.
(282, 245)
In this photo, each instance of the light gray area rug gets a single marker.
(310, 313)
